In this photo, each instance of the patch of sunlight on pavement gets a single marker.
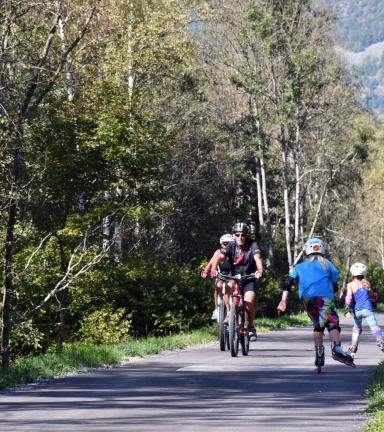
(245, 368)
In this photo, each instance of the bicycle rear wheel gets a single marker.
(222, 327)
(234, 329)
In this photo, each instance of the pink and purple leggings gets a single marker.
(357, 325)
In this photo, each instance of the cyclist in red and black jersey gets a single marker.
(244, 257)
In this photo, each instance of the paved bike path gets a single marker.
(208, 390)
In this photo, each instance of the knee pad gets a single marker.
(334, 327)
(318, 329)
(357, 330)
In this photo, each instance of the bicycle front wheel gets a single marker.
(222, 329)
(244, 341)
(234, 329)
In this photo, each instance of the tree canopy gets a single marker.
(135, 134)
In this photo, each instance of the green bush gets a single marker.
(105, 326)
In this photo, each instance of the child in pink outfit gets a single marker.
(361, 300)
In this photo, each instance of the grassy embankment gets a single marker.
(375, 395)
(82, 358)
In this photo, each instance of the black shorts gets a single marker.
(225, 276)
(249, 286)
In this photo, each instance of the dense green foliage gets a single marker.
(169, 122)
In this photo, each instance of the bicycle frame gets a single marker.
(237, 297)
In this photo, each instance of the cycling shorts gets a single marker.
(250, 286)
(224, 274)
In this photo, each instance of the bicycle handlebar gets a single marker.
(251, 276)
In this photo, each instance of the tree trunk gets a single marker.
(260, 208)
(270, 256)
(262, 191)
(297, 206)
(62, 301)
(8, 285)
(347, 267)
(286, 199)
(66, 65)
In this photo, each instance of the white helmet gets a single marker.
(226, 238)
(358, 269)
(314, 245)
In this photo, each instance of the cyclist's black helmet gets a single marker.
(240, 227)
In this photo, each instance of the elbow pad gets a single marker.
(335, 286)
(288, 283)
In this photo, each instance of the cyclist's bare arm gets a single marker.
(259, 264)
(209, 265)
(217, 257)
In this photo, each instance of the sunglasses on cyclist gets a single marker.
(240, 235)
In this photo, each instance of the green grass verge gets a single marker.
(375, 406)
(80, 358)
(375, 394)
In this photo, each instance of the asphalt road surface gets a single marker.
(275, 388)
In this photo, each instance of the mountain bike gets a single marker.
(238, 320)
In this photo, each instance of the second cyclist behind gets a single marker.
(224, 269)
(244, 258)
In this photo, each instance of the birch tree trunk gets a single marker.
(66, 65)
(297, 205)
(270, 255)
(262, 193)
(62, 301)
(347, 267)
(286, 199)
(260, 207)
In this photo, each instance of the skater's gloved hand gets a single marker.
(347, 312)
(374, 301)
(335, 286)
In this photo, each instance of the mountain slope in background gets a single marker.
(361, 38)
(361, 23)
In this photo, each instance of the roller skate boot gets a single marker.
(320, 357)
(380, 344)
(339, 355)
(352, 350)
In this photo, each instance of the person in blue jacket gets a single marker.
(317, 279)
